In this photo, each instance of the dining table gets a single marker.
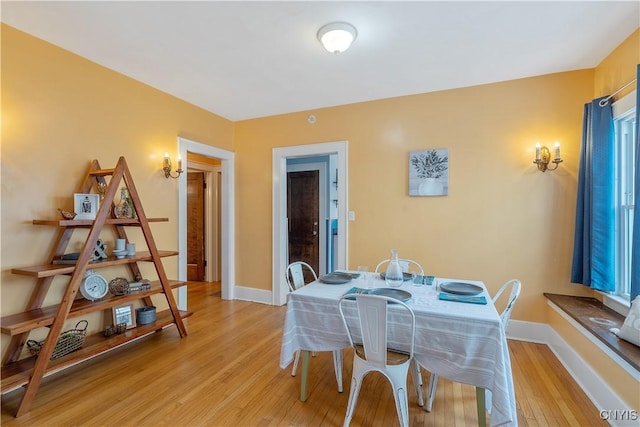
(454, 338)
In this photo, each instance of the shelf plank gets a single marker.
(89, 222)
(19, 323)
(102, 172)
(48, 270)
(18, 373)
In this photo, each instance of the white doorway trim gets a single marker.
(227, 214)
(279, 202)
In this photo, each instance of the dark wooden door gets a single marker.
(195, 226)
(302, 210)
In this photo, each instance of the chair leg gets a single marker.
(337, 366)
(402, 407)
(398, 379)
(353, 398)
(433, 384)
(296, 359)
(417, 380)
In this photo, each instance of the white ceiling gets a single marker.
(243, 60)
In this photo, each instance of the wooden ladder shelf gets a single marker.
(29, 372)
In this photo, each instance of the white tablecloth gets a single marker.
(460, 341)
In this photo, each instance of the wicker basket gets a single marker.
(68, 341)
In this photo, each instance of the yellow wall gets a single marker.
(502, 218)
(616, 70)
(59, 112)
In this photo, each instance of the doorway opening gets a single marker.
(203, 218)
(334, 250)
(187, 148)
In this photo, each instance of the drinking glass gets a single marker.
(364, 275)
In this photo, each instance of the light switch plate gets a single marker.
(352, 215)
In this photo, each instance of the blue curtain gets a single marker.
(594, 239)
(635, 245)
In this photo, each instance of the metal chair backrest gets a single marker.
(513, 297)
(371, 327)
(406, 264)
(295, 274)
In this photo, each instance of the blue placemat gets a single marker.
(462, 298)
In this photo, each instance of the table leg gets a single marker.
(480, 402)
(305, 375)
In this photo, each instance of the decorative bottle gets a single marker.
(393, 275)
(125, 207)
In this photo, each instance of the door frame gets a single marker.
(323, 196)
(227, 218)
(279, 206)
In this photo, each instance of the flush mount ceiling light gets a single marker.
(337, 36)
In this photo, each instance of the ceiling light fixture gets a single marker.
(337, 36)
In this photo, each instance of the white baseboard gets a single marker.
(598, 390)
(252, 294)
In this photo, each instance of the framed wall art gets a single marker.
(124, 314)
(86, 205)
(429, 172)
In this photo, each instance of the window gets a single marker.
(625, 125)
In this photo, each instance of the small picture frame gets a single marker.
(86, 205)
(124, 314)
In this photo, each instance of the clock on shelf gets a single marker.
(93, 286)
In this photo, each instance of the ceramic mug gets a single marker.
(120, 244)
(131, 249)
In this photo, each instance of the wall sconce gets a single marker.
(166, 167)
(543, 157)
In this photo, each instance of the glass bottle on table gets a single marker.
(393, 275)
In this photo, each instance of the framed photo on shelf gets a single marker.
(86, 205)
(124, 314)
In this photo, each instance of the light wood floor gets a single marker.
(226, 373)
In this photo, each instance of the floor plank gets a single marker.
(226, 373)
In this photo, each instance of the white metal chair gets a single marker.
(295, 280)
(515, 286)
(295, 274)
(369, 326)
(407, 265)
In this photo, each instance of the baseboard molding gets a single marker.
(598, 390)
(252, 294)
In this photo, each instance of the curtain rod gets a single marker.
(603, 102)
